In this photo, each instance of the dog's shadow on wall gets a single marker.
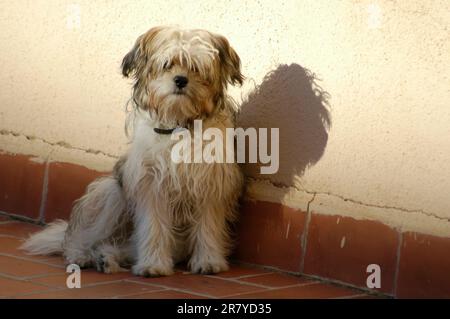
(289, 98)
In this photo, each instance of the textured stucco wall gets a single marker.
(360, 90)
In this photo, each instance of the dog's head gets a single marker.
(181, 75)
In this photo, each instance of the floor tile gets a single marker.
(363, 296)
(47, 279)
(307, 291)
(166, 294)
(22, 268)
(10, 246)
(9, 287)
(239, 271)
(109, 290)
(276, 280)
(200, 284)
(88, 277)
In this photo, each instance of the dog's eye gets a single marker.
(194, 69)
(167, 65)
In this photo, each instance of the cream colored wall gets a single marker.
(384, 66)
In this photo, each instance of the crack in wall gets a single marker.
(345, 199)
(62, 144)
(404, 210)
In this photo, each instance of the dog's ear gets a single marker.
(130, 60)
(229, 59)
(137, 57)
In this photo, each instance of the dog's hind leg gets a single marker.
(95, 218)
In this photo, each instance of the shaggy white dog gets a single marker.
(152, 213)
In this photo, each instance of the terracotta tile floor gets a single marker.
(23, 276)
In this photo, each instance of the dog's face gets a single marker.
(181, 75)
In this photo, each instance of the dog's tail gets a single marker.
(48, 241)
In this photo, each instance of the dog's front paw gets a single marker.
(209, 266)
(83, 263)
(108, 265)
(151, 271)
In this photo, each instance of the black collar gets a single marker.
(168, 131)
(164, 131)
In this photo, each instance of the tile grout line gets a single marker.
(29, 278)
(176, 289)
(246, 276)
(17, 296)
(397, 263)
(5, 275)
(93, 284)
(46, 288)
(271, 289)
(336, 282)
(262, 286)
(10, 236)
(96, 284)
(271, 269)
(135, 294)
(53, 288)
(240, 282)
(32, 260)
(43, 205)
(235, 280)
(350, 296)
(304, 242)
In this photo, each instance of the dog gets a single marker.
(152, 213)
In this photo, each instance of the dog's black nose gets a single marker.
(180, 81)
